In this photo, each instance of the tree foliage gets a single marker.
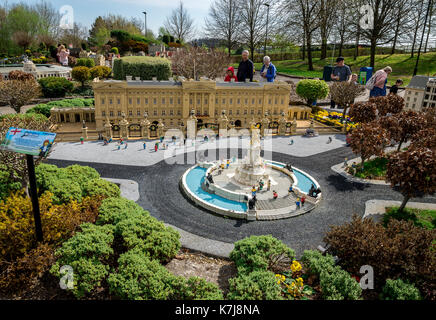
(17, 93)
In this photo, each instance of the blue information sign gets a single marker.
(35, 143)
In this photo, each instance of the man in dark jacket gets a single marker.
(245, 69)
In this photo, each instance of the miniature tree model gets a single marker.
(344, 93)
(17, 93)
(312, 90)
(390, 104)
(363, 112)
(81, 74)
(368, 140)
(196, 62)
(425, 138)
(413, 172)
(409, 122)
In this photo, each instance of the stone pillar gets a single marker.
(160, 128)
(108, 129)
(223, 122)
(145, 127)
(294, 127)
(124, 130)
(282, 125)
(265, 124)
(191, 126)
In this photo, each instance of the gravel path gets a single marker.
(159, 193)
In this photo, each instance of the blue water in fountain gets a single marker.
(194, 180)
(304, 182)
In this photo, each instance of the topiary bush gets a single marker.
(257, 285)
(139, 278)
(102, 187)
(81, 74)
(55, 87)
(87, 252)
(143, 67)
(85, 62)
(65, 190)
(335, 283)
(195, 288)
(400, 290)
(7, 183)
(150, 235)
(114, 210)
(260, 253)
(312, 90)
(41, 108)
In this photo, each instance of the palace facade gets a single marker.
(169, 104)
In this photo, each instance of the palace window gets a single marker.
(224, 101)
(155, 112)
(205, 101)
(259, 111)
(163, 100)
(231, 101)
(178, 101)
(138, 112)
(111, 113)
(146, 100)
(103, 113)
(171, 100)
(179, 112)
(154, 100)
(110, 101)
(171, 112)
(245, 111)
(102, 100)
(239, 101)
(252, 111)
(276, 101)
(118, 101)
(130, 113)
(283, 101)
(269, 101)
(230, 111)
(138, 100)
(130, 100)
(163, 112)
(260, 101)
(237, 111)
(246, 101)
(119, 113)
(216, 101)
(252, 101)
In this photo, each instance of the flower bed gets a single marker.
(333, 119)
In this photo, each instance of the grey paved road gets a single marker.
(159, 193)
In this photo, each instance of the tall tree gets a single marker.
(180, 23)
(431, 13)
(403, 8)
(418, 12)
(377, 23)
(223, 21)
(253, 21)
(327, 16)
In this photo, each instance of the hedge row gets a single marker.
(125, 249)
(143, 67)
(44, 108)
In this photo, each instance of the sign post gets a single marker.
(31, 143)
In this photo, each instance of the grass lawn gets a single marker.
(373, 169)
(402, 66)
(419, 217)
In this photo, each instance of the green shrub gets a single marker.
(312, 90)
(87, 252)
(85, 62)
(81, 74)
(194, 288)
(114, 50)
(65, 190)
(139, 278)
(259, 253)
(81, 174)
(102, 187)
(400, 290)
(114, 210)
(150, 235)
(143, 67)
(257, 285)
(335, 283)
(41, 108)
(7, 183)
(55, 87)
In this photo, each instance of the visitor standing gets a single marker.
(303, 200)
(290, 190)
(144, 145)
(125, 146)
(380, 80)
(395, 87)
(298, 203)
(245, 68)
(63, 54)
(268, 71)
(268, 185)
(340, 73)
(156, 146)
(291, 142)
(230, 75)
(227, 164)
(253, 191)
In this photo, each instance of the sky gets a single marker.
(85, 11)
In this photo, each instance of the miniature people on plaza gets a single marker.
(222, 166)
(329, 140)
(297, 202)
(144, 145)
(268, 185)
(261, 184)
(346, 162)
(290, 190)
(81, 140)
(230, 75)
(156, 146)
(125, 146)
(311, 190)
(275, 195)
(209, 177)
(253, 191)
(119, 146)
(227, 164)
(303, 200)
(291, 142)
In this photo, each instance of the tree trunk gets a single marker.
(304, 47)
(403, 204)
(399, 145)
(429, 27)
(373, 49)
(309, 53)
(356, 50)
(323, 49)
(397, 29)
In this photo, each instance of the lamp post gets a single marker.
(145, 18)
(266, 29)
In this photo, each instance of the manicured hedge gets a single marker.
(257, 285)
(85, 62)
(44, 108)
(55, 87)
(259, 253)
(400, 290)
(143, 67)
(335, 283)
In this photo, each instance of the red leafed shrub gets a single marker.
(401, 250)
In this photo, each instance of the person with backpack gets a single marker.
(340, 73)
(268, 71)
(377, 83)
